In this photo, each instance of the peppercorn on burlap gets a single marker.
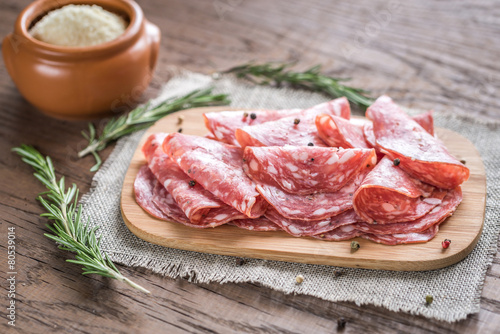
(456, 289)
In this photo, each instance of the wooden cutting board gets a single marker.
(463, 228)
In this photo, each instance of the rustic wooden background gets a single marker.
(440, 55)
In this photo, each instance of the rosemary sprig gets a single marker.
(279, 73)
(142, 117)
(68, 229)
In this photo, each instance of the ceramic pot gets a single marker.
(82, 82)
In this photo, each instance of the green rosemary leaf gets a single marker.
(69, 231)
(98, 161)
(311, 79)
(144, 116)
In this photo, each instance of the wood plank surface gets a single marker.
(464, 227)
(440, 55)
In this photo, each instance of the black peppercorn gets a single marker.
(341, 322)
(240, 261)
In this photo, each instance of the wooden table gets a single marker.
(441, 55)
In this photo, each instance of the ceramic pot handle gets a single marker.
(154, 34)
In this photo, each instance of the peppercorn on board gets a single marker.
(463, 228)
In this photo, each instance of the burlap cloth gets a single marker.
(456, 289)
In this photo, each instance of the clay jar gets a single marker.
(82, 82)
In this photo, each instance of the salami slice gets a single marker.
(420, 154)
(210, 136)
(403, 238)
(153, 144)
(261, 224)
(306, 170)
(339, 132)
(389, 195)
(218, 168)
(426, 121)
(435, 216)
(223, 124)
(147, 189)
(167, 209)
(301, 228)
(299, 130)
(344, 232)
(198, 204)
(315, 206)
(369, 135)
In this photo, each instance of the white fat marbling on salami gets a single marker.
(217, 167)
(421, 155)
(389, 195)
(306, 169)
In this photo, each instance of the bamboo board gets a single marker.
(463, 228)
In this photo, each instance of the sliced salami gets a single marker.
(310, 172)
(389, 195)
(339, 132)
(435, 216)
(338, 107)
(301, 228)
(420, 154)
(217, 167)
(403, 238)
(158, 202)
(147, 189)
(369, 135)
(344, 232)
(153, 144)
(299, 130)
(198, 204)
(426, 121)
(261, 224)
(165, 202)
(306, 170)
(312, 207)
(223, 125)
